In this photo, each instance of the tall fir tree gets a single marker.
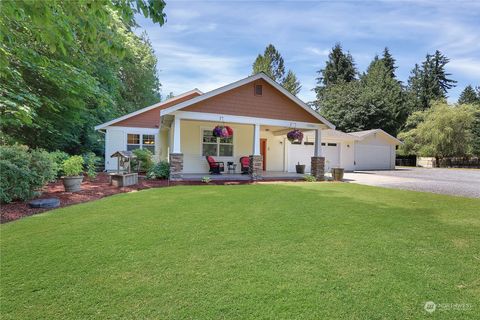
(382, 97)
(429, 82)
(291, 83)
(469, 96)
(389, 62)
(339, 67)
(271, 63)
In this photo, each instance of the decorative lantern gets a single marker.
(221, 131)
(295, 136)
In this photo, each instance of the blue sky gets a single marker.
(207, 44)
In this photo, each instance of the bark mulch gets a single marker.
(91, 190)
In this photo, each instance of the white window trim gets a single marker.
(202, 128)
(141, 134)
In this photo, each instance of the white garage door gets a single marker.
(372, 157)
(300, 153)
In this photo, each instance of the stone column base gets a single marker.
(318, 168)
(176, 166)
(255, 167)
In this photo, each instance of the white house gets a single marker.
(261, 113)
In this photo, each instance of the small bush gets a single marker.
(91, 162)
(23, 172)
(206, 180)
(58, 157)
(144, 160)
(309, 178)
(73, 166)
(159, 171)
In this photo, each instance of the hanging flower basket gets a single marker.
(222, 132)
(295, 136)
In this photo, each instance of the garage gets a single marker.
(361, 150)
(375, 150)
(372, 157)
(302, 153)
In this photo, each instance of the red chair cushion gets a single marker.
(245, 161)
(211, 162)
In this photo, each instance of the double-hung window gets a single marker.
(218, 147)
(141, 141)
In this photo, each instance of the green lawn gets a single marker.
(292, 251)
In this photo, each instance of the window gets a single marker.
(148, 142)
(141, 141)
(219, 147)
(323, 144)
(258, 89)
(332, 144)
(133, 142)
(309, 143)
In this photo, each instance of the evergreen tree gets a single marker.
(469, 96)
(429, 82)
(339, 67)
(271, 63)
(291, 83)
(382, 98)
(472, 97)
(389, 62)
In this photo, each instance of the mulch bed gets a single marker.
(91, 190)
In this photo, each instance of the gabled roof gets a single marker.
(241, 83)
(366, 133)
(153, 106)
(337, 134)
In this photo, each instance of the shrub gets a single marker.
(206, 180)
(91, 161)
(144, 160)
(159, 171)
(309, 178)
(58, 157)
(73, 166)
(23, 172)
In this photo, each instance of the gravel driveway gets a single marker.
(457, 182)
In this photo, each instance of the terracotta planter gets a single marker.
(72, 184)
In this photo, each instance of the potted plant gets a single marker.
(300, 168)
(295, 136)
(222, 131)
(73, 170)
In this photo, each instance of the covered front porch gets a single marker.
(263, 141)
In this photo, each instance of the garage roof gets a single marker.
(366, 133)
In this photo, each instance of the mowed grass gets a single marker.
(270, 251)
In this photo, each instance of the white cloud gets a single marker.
(209, 44)
(468, 67)
(317, 51)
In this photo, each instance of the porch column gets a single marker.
(318, 162)
(176, 157)
(176, 135)
(318, 143)
(256, 139)
(256, 160)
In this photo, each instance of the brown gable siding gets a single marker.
(151, 118)
(242, 101)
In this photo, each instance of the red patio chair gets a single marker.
(245, 164)
(216, 167)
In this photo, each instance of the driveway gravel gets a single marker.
(457, 182)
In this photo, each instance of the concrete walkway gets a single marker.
(457, 182)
